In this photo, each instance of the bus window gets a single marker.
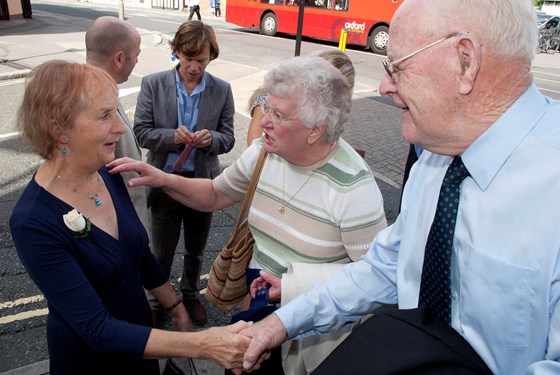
(340, 5)
(317, 3)
(366, 21)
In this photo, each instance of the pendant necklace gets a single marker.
(282, 208)
(94, 197)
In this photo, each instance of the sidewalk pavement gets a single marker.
(27, 43)
(375, 127)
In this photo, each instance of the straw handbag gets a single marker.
(226, 284)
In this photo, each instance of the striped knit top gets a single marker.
(332, 209)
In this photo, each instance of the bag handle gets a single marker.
(251, 189)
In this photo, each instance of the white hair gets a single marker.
(322, 93)
(508, 27)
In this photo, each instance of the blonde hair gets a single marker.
(336, 57)
(342, 62)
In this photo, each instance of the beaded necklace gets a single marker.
(93, 197)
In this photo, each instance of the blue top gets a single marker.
(187, 115)
(99, 318)
(505, 273)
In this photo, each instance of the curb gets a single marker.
(22, 73)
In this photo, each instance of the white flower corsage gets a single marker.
(77, 223)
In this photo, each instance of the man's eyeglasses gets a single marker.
(390, 67)
(276, 117)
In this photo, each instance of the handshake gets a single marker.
(245, 345)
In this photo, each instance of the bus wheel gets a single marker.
(378, 40)
(269, 24)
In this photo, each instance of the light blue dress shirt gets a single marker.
(187, 115)
(506, 258)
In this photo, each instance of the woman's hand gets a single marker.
(202, 138)
(182, 135)
(149, 175)
(198, 139)
(225, 345)
(270, 282)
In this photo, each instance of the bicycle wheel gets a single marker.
(547, 46)
(554, 45)
(541, 45)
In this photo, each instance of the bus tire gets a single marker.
(378, 40)
(269, 24)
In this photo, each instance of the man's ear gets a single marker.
(469, 50)
(119, 57)
(316, 133)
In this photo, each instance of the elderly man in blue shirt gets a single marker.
(468, 98)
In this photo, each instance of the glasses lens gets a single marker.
(276, 119)
(264, 108)
(273, 115)
(388, 68)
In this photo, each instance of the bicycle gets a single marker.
(548, 43)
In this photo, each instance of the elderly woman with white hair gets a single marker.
(316, 201)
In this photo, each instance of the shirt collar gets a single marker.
(485, 156)
(197, 90)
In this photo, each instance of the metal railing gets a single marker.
(167, 4)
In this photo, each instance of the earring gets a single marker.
(64, 151)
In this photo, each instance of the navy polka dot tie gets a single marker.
(435, 288)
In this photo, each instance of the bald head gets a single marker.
(510, 20)
(113, 45)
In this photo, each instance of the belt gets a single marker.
(188, 174)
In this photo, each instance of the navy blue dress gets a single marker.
(99, 318)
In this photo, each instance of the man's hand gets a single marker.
(264, 281)
(265, 335)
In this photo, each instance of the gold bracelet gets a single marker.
(175, 304)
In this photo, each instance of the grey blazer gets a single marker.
(128, 146)
(155, 121)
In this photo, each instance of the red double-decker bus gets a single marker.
(366, 21)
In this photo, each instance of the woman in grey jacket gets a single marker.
(182, 109)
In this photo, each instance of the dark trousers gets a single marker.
(193, 10)
(403, 342)
(168, 216)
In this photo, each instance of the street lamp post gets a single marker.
(121, 9)
(299, 27)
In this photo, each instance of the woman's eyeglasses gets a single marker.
(276, 117)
